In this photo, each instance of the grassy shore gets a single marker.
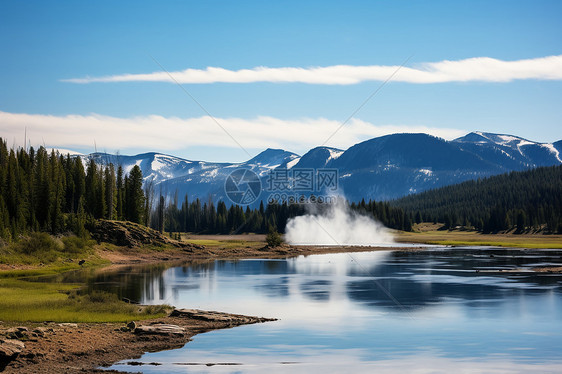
(429, 234)
(23, 297)
(36, 302)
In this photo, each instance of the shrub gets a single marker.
(36, 244)
(76, 245)
(273, 238)
(39, 245)
(102, 297)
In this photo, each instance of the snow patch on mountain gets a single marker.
(334, 154)
(552, 150)
(156, 164)
(507, 139)
(293, 162)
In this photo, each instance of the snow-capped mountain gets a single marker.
(382, 168)
(317, 157)
(199, 179)
(512, 150)
(156, 167)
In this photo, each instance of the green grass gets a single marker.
(22, 301)
(206, 242)
(54, 268)
(40, 248)
(227, 244)
(472, 238)
(25, 300)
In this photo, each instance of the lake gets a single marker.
(436, 310)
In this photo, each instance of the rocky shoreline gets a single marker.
(87, 347)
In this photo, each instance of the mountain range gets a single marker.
(381, 168)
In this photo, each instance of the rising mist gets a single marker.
(336, 225)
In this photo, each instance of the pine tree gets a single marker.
(161, 203)
(135, 195)
(58, 178)
(110, 192)
(120, 194)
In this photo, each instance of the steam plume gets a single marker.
(337, 225)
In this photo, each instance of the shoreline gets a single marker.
(83, 347)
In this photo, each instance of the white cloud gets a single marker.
(158, 133)
(483, 69)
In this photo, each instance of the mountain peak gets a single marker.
(499, 139)
(319, 157)
(272, 156)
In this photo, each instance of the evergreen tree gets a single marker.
(120, 186)
(110, 191)
(135, 195)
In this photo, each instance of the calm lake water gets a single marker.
(385, 311)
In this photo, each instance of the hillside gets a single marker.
(524, 200)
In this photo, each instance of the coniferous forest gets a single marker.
(49, 192)
(41, 191)
(523, 201)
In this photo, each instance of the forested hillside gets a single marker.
(41, 191)
(528, 200)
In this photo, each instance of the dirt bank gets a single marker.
(130, 256)
(84, 347)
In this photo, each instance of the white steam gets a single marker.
(337, 226)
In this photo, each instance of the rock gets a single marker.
(210, 316)
(132, 325)
(67, 324)
(161, 329)
(17, 333)
(132, 235)
(40, 331)
(9, 350)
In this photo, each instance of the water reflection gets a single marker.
(461, 308)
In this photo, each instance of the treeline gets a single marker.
(198, 217)
(208, 218)
(42, 191)
(528, 200)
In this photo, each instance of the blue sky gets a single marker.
(49, 46)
